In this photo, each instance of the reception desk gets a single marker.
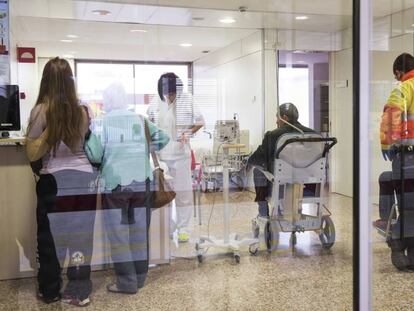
(18, 219)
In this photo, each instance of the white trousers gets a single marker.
(180, 171)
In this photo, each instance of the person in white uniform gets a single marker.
(175, 113)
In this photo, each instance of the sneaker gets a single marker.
(48, 300)
(380, 224)
(75, 301)
(183, 237)
(113, 288)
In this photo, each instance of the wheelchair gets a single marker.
(300, 160)
(398, 228)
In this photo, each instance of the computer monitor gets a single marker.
(9, 109)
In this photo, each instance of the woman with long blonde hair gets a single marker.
(66, 196)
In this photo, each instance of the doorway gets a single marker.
(303, 79)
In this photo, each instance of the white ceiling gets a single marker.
(323, 7)
(44, 23)
(103, 38)
(179, 16)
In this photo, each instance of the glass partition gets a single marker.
(390, 153)
(248, 113)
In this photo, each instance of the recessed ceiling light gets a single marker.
(198, 18)
(138, 30)
(66, 40)
(301, 18)
(300, 61)
(412, 25)
(72, 36)
(228, 20)
(101, 12)
(205, 52)
(186, 45)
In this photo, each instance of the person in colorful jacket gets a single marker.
(397, 134)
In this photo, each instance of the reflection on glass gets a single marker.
(235, 78)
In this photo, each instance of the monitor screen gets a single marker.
(9, 108)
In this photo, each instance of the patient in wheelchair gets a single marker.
(263, 157)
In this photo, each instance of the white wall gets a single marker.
(237, 73)
(390, 38)
(341, 122)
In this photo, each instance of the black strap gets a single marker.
(148, 137)
(88, 132)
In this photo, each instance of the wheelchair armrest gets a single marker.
(269, 176)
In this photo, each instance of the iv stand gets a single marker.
(230, 241)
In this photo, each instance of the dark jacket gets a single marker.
(264, 155)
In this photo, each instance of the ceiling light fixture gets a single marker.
(72, 36)
(186, 45)
(66, 40)
(138, 30)
(301, 18)
(228, 20)
(101, 12)
(198, 18)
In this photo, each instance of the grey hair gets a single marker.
(115, 97)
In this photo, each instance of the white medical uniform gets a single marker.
(174, 119)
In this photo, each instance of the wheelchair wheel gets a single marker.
(271, 235)
(327, 235)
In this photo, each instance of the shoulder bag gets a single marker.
(161, 191)
(92, 146)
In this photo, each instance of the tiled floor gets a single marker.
(309, 279)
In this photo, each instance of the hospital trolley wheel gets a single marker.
(327, 235)
(200, 258)
(237, 258)
(254, 249)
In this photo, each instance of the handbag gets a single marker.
(92, 146)
(162, 192)
(38, 147)
(93, 149)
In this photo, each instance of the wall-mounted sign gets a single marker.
(26, 55)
